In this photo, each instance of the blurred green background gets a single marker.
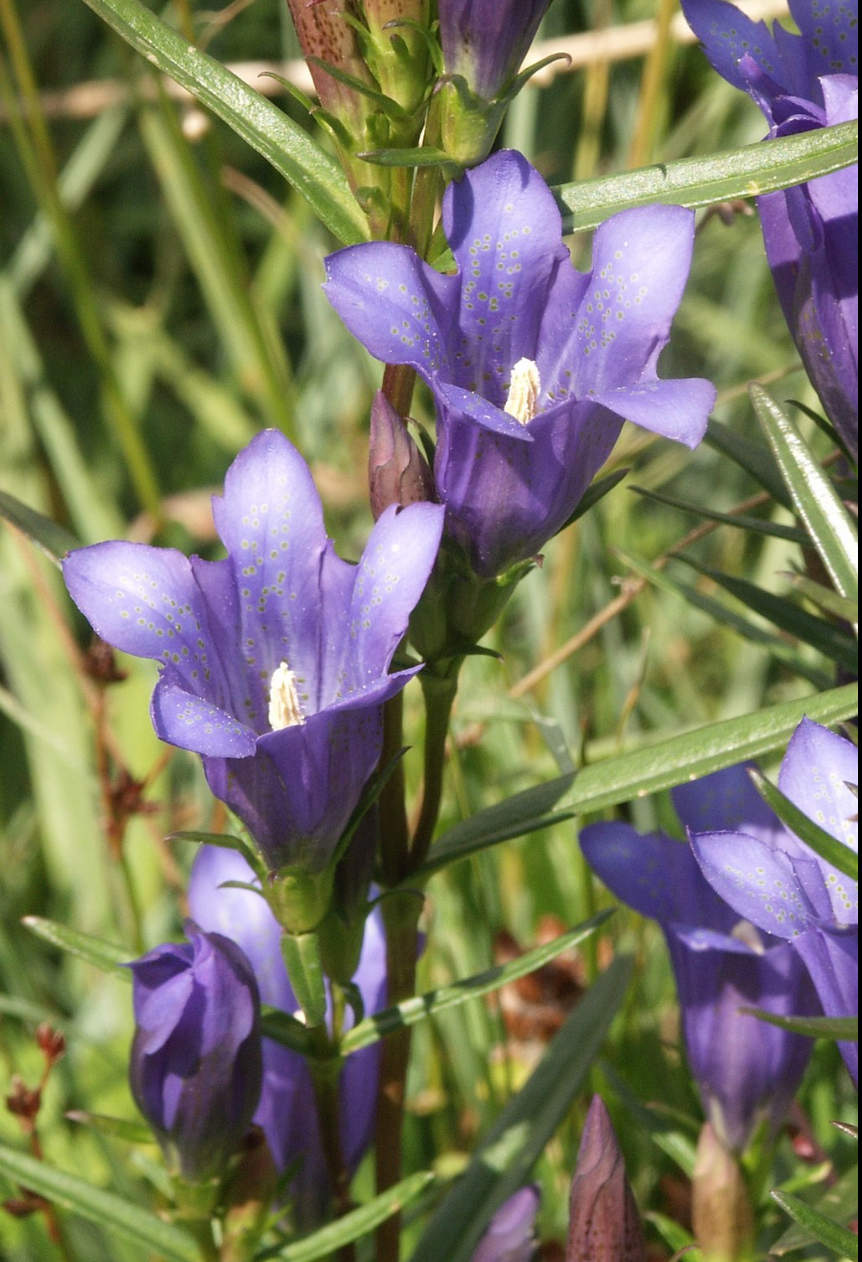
(160, 301)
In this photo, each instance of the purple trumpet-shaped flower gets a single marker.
(274, 660)
(195, 1068)
(532, 364)
(745, 1069)
(485, 41)
(802, 83)
(604, 1223)
(766, 874)
(511, 1233)
(286, 1111)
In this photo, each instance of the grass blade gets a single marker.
(824, 1229)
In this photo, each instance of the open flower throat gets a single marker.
(284, 708)
(522, 401)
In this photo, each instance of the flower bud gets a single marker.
(195, 1069)
(721, 1209)
(398, 54)
(324, 34)
(604, 1224)
(510, 1236)
(397, 471)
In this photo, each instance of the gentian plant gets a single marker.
(780, 885)
(274, 661)
(533, 365)
(746, 1072)
(604, 1223)
(195, 1065)
(802, 83)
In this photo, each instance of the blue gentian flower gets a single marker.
(195, 1067)
(746, 1071)
(802, 83)
(485, 41)
(766, 874)
(604, 1223)
(532, 364)
(286, 1111)
(274, 660)
(511, 1233)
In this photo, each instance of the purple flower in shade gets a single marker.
(485, 41)
(195, 1068)
(745, 1069)
(767, 875)
(604, 1223)
(286, 1111)
(802, 83)
(532, 364)
(511, 1234)
(274, 660)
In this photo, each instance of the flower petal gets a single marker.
(832, 959)
(145, 601)
(726, 801)
(676, 409)
(196, 724)
(641, 261)
(271, 521)
(728, 35)
(655, 875)
(393, 303)
(830, 35)
(762, 885)
(505, 231)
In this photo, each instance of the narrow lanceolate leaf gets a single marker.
(821, 842)
(503, 1162)
(54, 541)
(839, 1203)
(113, 1212)
(824, 597)
(844, 1029)
(428, 1005)
(661, 766)
(816, 500)
(115, 1127)
(261, 124)
(826, 1230)
(353, 1226)
(832, 641)
(722, 177)
(751, 456)
(757, 525)
(104, 955)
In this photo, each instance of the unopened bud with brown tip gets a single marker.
(398, 473)
(604, 1223)
(51, 1042)
(721, 1209)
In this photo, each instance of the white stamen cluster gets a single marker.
(524, 391)
(284, 710)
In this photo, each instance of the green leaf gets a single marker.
(694, 182)
(53, 540)
(596, 491)
(816, 500)
(292, 152)
(824, 1229)
(506, 1156)
(728, 617)
(410, 1011)
(828, 639)
(756, 524)
(691, 755)
(106, 956)
(282, 1028)
(133, 1132)
(301, 954)
(825, 598)
(523, 813)
(839, 1201)
(821, 842)
(359, 1222)
(845, 1029)
(424, 156)
(68, 1192)
(751, 456)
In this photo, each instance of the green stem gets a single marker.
(439, 692)
(326, 1071)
